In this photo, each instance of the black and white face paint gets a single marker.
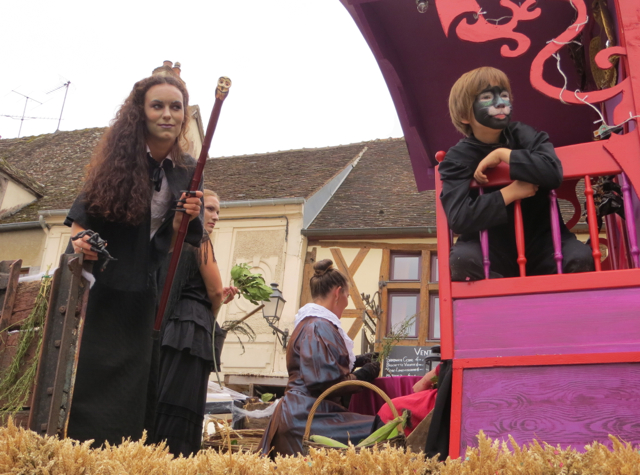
(492, 108)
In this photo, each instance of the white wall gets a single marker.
(15, 196)
(261, 237)
(55, 243)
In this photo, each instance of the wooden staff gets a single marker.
(222, 90)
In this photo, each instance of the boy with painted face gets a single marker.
(480, 104)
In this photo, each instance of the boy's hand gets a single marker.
(518, 190)
(491, 161)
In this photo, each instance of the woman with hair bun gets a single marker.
(320, 355)
(132, 186)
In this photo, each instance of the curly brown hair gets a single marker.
(117, 185)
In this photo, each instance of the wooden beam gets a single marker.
(375, 245)
(11, 270)
(355, 264)
(405, 285)
(423, 317)
(256, 379)
(456, 413)
(546, 283)
(352, 313)
(307, 273)
(548, 360)
(353, 291)
(381, 328)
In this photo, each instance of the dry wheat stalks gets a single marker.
(25, 452)
(15, 387)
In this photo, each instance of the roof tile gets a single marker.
(380, 192)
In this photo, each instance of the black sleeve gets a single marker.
(78, 213)
(535, 160)
(467, 211)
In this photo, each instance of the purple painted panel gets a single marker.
(600, 321)
(567, 405)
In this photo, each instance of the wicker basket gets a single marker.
(243, 440)
(398, 441)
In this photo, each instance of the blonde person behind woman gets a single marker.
(187, 355)
(319, 355)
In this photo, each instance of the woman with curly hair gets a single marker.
(132, 185)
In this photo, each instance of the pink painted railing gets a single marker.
(617, 241)
(556, 236)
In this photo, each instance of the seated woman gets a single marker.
(420, 403)
(319, 355)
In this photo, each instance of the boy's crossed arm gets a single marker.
(517, 190)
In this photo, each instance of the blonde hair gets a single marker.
(207, 192)
(466, 88)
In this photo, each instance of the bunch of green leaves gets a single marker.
(266, 397)
(251, 286)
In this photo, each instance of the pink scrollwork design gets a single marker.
(602, 60)
(481, 30)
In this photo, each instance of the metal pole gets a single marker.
(63, 101)
(23, 113)
(25, 109)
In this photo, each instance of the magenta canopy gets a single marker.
(420, 64)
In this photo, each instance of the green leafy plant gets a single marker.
(266, 397)
(251, 286)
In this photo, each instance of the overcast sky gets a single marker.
(302, 74)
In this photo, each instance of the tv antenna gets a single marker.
(66, 86)
(25, 108)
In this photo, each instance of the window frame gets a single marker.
(392, 265)
(424, 287)
(417, 320)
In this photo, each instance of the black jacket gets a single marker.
(137, 255)
(533, 159)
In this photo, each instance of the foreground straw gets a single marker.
(25, 452)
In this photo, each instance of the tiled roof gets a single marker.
(380, 192)
(21, 177)
(57, 161)
(290, 174)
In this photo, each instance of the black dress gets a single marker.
(186, 356)
(111, 388)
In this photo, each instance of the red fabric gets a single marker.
(369, 403)
(420, 404)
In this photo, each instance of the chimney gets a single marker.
(167, 63)
(176, 69)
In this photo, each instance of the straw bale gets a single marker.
(25, 452)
